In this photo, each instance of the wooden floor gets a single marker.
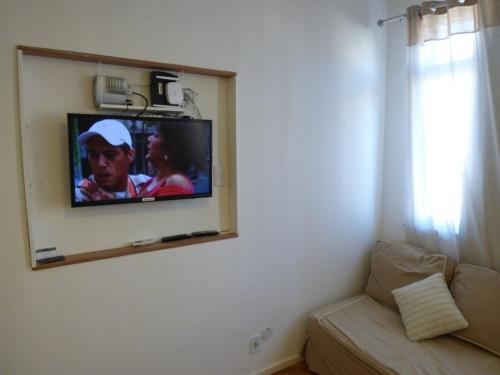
(298, 369)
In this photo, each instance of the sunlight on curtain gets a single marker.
(453, 174)
(447, 74)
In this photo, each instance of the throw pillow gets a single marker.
(394, 265)
(428, 309)
(476, 291)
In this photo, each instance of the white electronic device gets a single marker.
(174, 93)
(110, 90)
(165, 89)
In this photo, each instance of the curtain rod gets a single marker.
(434, 6)
(401, 18)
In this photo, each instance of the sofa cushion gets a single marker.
(427, 309)
(395, 265)
(364, 335)
(477, 294)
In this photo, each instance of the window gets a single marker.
(441, 131)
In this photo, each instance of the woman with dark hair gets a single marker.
(172, 151)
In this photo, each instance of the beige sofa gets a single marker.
(365, 334)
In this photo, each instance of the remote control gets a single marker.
(50, 260)
(176, 237)
(46, 253)
(202, 233)
(143, 242)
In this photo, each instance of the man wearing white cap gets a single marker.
(110, 153)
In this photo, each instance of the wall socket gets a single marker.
(266, 333)
(255, 344)
(256, 340)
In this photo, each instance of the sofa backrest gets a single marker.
(476, 291)
(394, 265)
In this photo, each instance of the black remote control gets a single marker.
(202, 233)
(176, 237)
(51, 260)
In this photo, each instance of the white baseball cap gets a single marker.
(113, 131)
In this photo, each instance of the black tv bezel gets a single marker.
(107, 202)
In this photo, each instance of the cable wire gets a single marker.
(189, 102)
(127, 104)
(145, 100)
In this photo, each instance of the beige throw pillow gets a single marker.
(427, 309)
(394, 265)
(477, 294)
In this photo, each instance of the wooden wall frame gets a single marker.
(112, 60)
(120, 61)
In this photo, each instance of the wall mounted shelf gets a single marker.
(139, 108)
(129, 250)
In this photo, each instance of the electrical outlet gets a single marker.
(266, 333)
(255, 344)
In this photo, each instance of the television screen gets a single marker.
(125, 159)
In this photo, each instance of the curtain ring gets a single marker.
(419, 13)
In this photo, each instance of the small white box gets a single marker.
(175, 96)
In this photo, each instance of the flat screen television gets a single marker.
(129, 159)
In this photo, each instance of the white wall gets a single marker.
(393, 216)
(310, 117)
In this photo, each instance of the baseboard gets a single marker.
(290, 361)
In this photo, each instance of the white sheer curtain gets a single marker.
(453, 180)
